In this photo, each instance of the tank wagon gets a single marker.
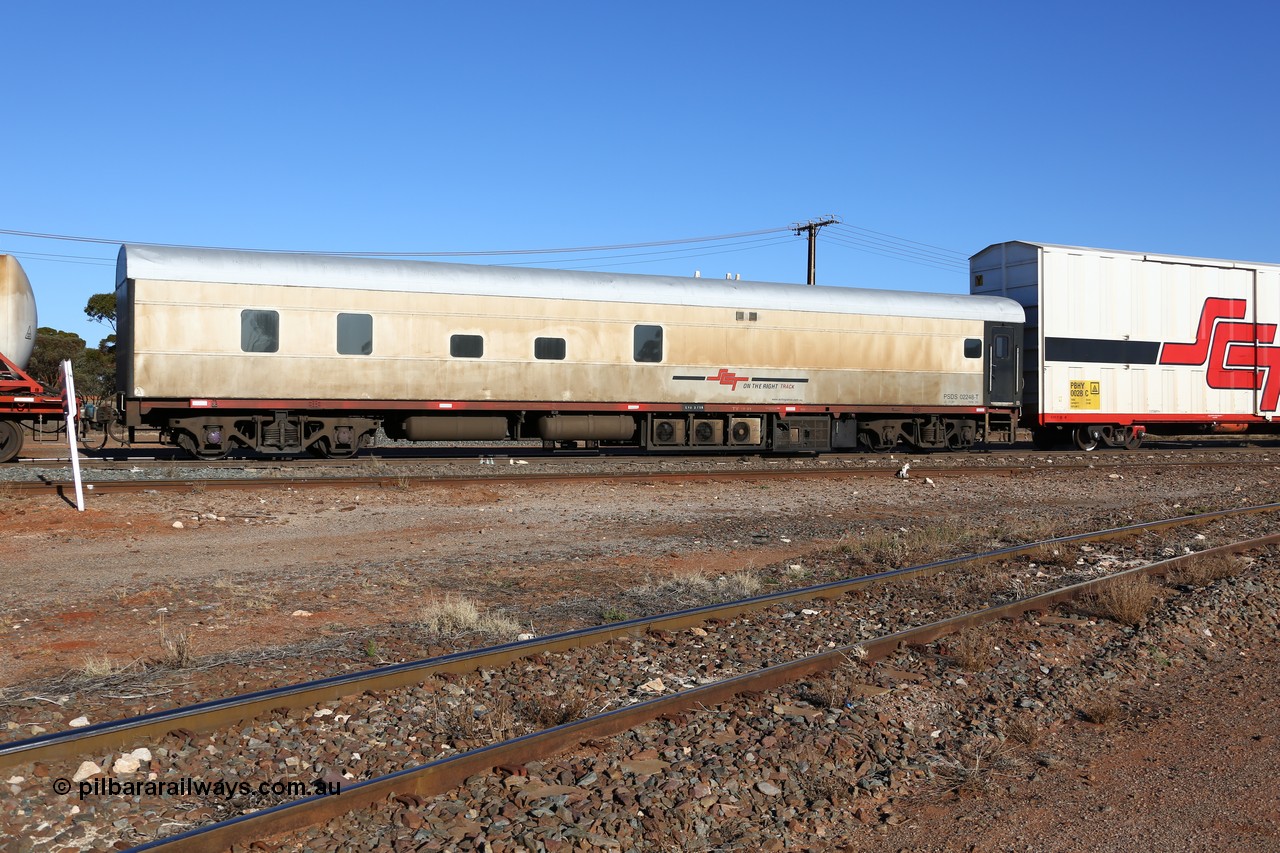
(287, 352)
(1119, 344)
(25, 406)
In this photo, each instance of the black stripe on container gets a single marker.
(1094, 351)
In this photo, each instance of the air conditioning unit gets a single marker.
(744, 431)
(707, 431)
(667, 431)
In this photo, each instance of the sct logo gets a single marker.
(728, 377)
(1232, 350)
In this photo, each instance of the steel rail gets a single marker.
(397, 481)
(218, 713)
(443, 775)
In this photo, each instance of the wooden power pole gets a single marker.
(812, 227)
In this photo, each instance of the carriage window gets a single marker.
(355, 334)
(466, 346)
(259, 331)
(648, 343)
(1001, 347)
(549, 348)
(972, 348)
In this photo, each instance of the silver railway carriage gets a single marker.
(285, 352)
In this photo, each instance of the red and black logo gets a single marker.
(726, 376)
(1232, 351)
(1236, 353)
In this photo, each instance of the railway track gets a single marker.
(752, 670)
(133, 476)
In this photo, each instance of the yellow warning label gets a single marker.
(1086, 394)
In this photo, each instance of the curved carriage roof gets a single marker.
(17, 312)
(1140, 256)
(307, 270)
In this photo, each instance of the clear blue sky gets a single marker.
(450, 127)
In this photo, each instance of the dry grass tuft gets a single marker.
(550, 711)
(837, 688)
(177, 650)
(1024, 731)
(1100, 712)
(906, 546)
(494, 722)
(101, 667)
(1205, 569)
(692, 590)
(1048, 554)
(819, 777)
(971, 649)
(175, 646)
(1127, 599)
(975, 770)
(454, 615)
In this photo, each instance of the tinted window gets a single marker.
(466, 346)
(259, 331)
(1001, 346)
(355, 334)
(972, 348)
(648, 343)
(549, 348)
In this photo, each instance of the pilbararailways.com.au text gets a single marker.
(188, 787)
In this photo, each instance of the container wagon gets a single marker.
(1119, 344)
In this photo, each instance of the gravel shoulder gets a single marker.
(340, 576)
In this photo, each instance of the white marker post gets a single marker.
(69, 393)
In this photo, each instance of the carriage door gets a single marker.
(1003, 365)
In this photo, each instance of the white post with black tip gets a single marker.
(69, 394)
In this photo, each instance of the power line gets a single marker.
(950, 267)
(491, 252)
(744, 248)
(964, 255)
(853, 237)
(746, 245)
(906, 249)
(64, 259)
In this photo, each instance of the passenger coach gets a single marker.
(283, 352)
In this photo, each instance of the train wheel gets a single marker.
(1085, 440)
(187, 442)
(324, 449)
(870, 441)
(1133, 440)
(10, 440)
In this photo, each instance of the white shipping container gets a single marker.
(1117, 340)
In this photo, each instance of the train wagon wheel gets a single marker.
(10, 440)
(322, 448)
(1085, 440)
(1133, 440)
(187, 442)
(870, 442)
